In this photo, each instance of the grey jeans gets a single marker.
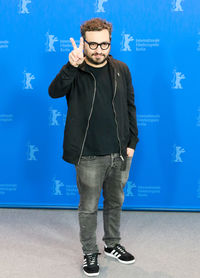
(94, 173)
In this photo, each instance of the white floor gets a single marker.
(44, 243)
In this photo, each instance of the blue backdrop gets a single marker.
(159, 41)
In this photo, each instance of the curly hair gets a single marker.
(96, 24)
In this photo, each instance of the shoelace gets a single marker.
(121, 248)
(92, 258)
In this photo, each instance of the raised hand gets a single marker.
(76, 55)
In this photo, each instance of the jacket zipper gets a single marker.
(88, 118)
(115, 117)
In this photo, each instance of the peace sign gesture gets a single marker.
(76, 55)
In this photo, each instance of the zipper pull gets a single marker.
(121, 157)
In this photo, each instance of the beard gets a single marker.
(96, 60)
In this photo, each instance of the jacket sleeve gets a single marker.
(61, 85)
(133, 139)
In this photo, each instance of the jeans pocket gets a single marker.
(88, 157)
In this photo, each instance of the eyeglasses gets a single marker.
(94, 45)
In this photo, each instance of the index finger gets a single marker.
(73, 43)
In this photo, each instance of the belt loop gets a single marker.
(112, 158)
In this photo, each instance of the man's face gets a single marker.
(97, 56)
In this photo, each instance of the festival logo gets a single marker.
(176, 81)
(125, 43)
(129, 189)
(176, 6)
(176, 155)
(140, 44)
(99, 6)
(57, 185)
(32, 149)
(50, 40)
(23, 6)
(53, 119)
(27, 80)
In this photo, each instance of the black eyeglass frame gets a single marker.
(89, 43)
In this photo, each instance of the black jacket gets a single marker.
(79, 87)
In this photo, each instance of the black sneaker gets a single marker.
(119, 252)
(90, 264)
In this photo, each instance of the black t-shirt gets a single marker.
(102, 133)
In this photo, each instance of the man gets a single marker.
(100, 136)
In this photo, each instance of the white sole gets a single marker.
(113, 256)
(92, 274)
